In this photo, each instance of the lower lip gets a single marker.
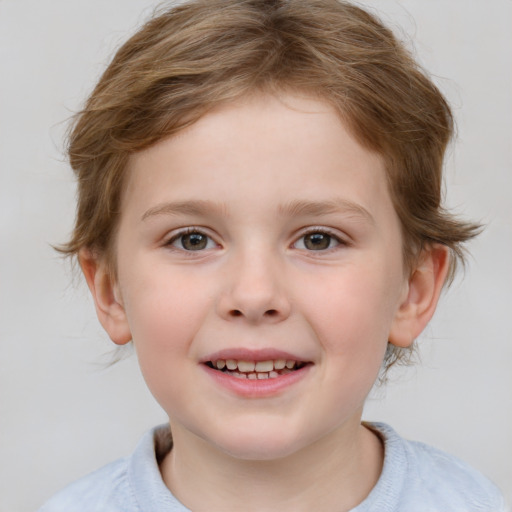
(257, 388)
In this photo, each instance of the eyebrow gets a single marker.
(293, 209)
(193, 207)
(331, 206)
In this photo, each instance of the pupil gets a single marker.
(194, 241)
(317, 241)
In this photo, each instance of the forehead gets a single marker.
(260, 150)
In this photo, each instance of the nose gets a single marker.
(254, 290)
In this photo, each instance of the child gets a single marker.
(259, 212)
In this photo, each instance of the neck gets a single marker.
(335, 473)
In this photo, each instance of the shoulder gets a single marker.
(431, 480)
(104, 489)
(444, 477)
(132, 484)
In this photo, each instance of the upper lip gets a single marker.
(245, 354)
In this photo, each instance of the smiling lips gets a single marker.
(255, 370)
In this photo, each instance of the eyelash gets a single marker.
(188, 231)
(323, 231)
(199, 231)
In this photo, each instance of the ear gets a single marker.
(421, 296)
(104, 290)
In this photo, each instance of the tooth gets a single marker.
(273, 375)
(279, 364)
(220, 364)
(290, 364)
(252, 376)
(236, 374)
(246, 366)
(264, 366)
(262, 376)
(231, 364)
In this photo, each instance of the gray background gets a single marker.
(62, 414)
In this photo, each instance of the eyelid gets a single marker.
(335, 234)
(177, 233)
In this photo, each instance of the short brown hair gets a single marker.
(193, 57)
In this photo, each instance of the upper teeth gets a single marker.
(254, 366)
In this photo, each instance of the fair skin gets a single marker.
(264, 233)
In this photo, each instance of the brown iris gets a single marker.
(317, 241)
(194, 241)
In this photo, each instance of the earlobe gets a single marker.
(423, 292)
(107, 301)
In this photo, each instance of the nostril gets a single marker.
(269, 314)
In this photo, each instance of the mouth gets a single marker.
(256, 370)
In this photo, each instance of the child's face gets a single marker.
(264, 232)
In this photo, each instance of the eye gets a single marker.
(192, 241)
(317, 241)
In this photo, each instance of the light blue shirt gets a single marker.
(415, 478)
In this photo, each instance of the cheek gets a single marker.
(351, 313)
(162, 340)
(163, 320)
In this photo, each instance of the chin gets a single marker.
(264, 443)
